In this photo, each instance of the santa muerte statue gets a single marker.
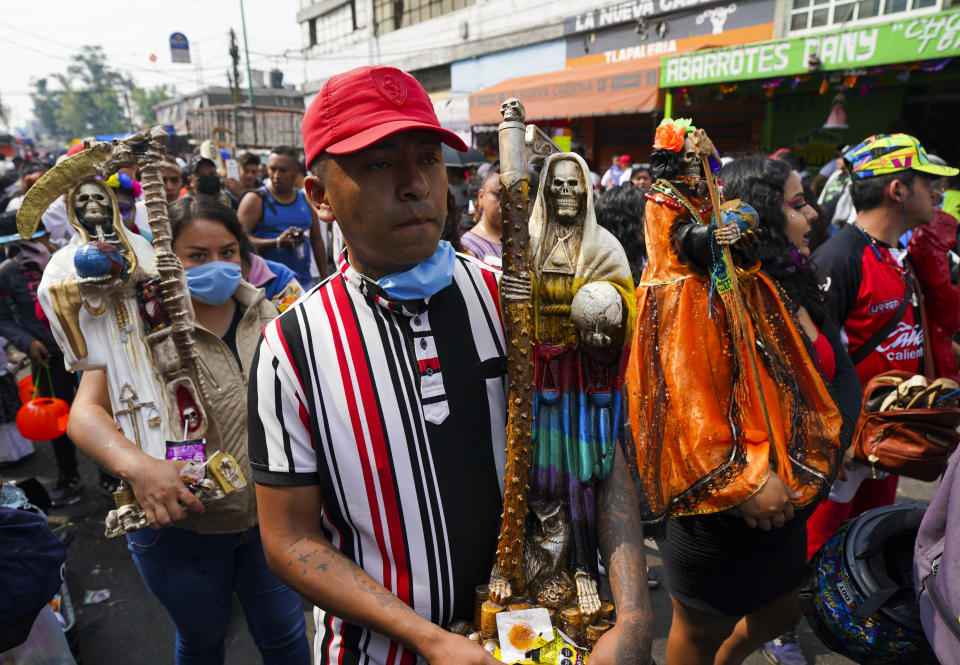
(116, 303)
(568, 309)
(722, 390)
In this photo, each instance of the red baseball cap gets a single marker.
(356, 109)
(624, 159)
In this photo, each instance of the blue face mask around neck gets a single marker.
(424, 279)
(214, 282)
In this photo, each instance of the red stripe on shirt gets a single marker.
(355, 422)
(379, 444)
(491, 281)
(429, 363)
(286, 350)
(388, 500)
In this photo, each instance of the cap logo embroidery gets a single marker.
(390, 86)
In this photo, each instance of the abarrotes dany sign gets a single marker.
(921, 38)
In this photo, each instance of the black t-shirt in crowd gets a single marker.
(865, 281)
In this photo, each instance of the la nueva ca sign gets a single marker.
(921, 38)
(622, 12)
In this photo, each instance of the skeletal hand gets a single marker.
(500, 591)
(727, 235)
(515, 288)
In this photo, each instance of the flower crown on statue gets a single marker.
(124, 182)
(670, 134)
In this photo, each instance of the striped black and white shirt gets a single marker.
(400, 417)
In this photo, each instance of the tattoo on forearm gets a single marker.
(368, 585)
(307, 558)
(306, 555)
(620, 539)
(635, 641)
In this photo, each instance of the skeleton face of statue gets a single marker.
(568, 191)
(691, 163)
(92, 206)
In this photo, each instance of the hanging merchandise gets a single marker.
(838, 113)
(43, 418)
(824, 86)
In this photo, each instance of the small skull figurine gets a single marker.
(567, 189)
(92, 205)
(513, 110)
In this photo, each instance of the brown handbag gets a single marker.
(916, 443)
(912, 442)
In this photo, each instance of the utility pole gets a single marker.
(246, 50)
(235, 57)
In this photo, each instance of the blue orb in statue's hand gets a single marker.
(98, 259)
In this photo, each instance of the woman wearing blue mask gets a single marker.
(196, 557)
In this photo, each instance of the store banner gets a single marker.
(921, 38)
(625, 12)
(686, 28)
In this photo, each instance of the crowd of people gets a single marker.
(347, 307)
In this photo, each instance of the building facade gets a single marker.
(587, 70)
(196, 114)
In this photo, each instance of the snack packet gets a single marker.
(557, 651)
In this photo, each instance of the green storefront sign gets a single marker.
(920, 38)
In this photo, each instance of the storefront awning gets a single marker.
(626, 87)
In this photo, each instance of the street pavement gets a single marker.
(131, 628)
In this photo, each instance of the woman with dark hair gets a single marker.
(279, 283)
(785, 227)
(195, 557)
(620, 211)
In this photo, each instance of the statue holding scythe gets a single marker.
(568, 312)
(116, 303)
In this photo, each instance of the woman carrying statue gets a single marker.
(786, 220)
(195, 557)
(735, 431)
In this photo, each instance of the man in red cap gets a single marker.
(377, 404)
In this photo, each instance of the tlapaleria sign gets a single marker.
(920, 38)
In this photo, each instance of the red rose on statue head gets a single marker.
(669, 137)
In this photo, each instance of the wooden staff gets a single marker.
(738, 306)
(517, 306)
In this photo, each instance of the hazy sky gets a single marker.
(37, 38)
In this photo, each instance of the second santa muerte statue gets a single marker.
(569, 311)
(722, 390)
(116, 304)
